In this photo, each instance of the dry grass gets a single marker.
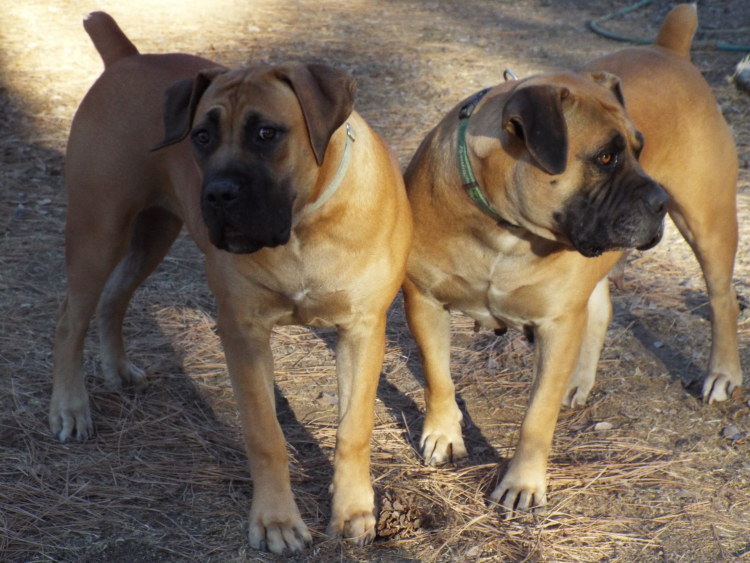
(165, 477)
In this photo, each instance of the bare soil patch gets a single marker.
(667, 478)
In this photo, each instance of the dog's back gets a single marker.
(673, 106)
(122, 109)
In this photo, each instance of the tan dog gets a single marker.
(302, 215)
(552, 164)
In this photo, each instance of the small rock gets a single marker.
(603, 426)
(681, 443)
(732, 433)
(327, 399)
(21, 212)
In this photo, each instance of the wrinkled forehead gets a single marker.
(255, 91)
(593, 113)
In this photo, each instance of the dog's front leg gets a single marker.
(359, 358)
(275, 521)
(429, 323)
(558, 342)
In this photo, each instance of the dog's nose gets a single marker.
(220, 193)
(656, 200)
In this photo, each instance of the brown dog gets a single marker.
(557, 173)
(302, 215)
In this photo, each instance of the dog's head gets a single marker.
(259, 136)
(568, 159)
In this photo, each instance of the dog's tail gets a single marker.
(678, 29)
(108, 38)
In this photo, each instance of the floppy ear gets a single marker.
(534, 114)
(608, 80)
(326, 95)
(182, 99)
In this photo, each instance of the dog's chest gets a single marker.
(504, 289)
(309, 290)
(318, 307)
(495, 305)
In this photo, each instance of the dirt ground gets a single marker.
(644, 471)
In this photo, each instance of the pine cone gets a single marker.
(400, 517)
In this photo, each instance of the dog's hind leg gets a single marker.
(154, 232)
(599, 317)
(713, 238)
(94, 245)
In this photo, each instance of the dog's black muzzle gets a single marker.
(245, 212)
(620, 215)
(655, 201)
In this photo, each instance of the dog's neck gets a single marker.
(335, 182)
(469, 179)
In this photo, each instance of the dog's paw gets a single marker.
(440, 447)
(133, 375)
(357, 528)
(576, 396)
(441, 440)
(282, 536)
(116, 375)
(352, 508)
(719, 387)
(521, 490)
(70, 417)
(580, 385)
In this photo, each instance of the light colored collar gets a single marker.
(338, 177)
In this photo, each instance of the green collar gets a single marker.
(468, 178)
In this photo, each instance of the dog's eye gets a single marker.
(202, 137)
(266, 133)
(639, 144)
(606, 159)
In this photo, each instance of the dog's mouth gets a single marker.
(589, 250)
(226, 237)
(230, 238)
(593, 248)
(655, 240)
(233, 240)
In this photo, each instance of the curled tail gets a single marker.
(678, 29)
(108, 38)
